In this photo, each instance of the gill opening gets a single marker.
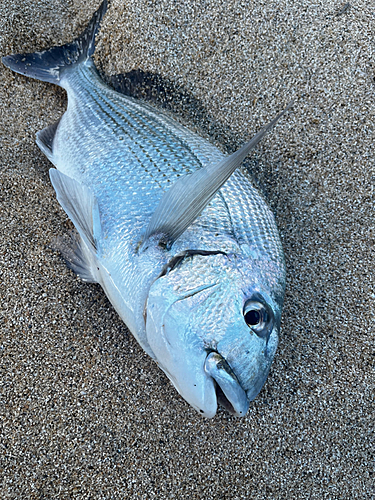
(173, 263)
(176, 260)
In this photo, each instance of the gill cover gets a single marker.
(196, 328)
(178, 351)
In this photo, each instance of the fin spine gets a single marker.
(79, 204)
(44, 139)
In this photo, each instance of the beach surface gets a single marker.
(84, 412)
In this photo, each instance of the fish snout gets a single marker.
(229, 392)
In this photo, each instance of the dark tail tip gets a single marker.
(86, 42)
(49, 65)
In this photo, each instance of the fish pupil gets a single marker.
(252, 318)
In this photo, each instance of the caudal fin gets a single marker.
(50, 64)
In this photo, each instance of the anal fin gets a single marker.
(44, 139)
(82, 208)
(77, 256)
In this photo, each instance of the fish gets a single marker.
(184, 246)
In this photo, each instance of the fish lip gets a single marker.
(229, 392)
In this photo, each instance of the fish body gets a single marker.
(197, 274)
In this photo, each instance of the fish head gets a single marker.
(213, 323)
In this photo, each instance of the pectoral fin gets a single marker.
(186, 199)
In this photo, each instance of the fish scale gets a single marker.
(237, 212)
(184, 246)
(148, 164)
(245, 205)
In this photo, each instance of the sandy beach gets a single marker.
(84, 412)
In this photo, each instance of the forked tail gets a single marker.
(51, 64)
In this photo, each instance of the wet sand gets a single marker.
(84, 413)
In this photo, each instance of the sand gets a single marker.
(84, 413)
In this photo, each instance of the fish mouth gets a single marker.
(229, 392)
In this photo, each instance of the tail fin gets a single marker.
(50, 64)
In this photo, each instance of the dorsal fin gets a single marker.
(44, 138)
(189, 195)
(80, 205)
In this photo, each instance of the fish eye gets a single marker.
(258, 317)
(252, 317)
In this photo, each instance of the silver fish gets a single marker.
(183, 245)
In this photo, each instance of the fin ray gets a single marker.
(189, 195)
(77, 256)
(79, 204)
(49, 65)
